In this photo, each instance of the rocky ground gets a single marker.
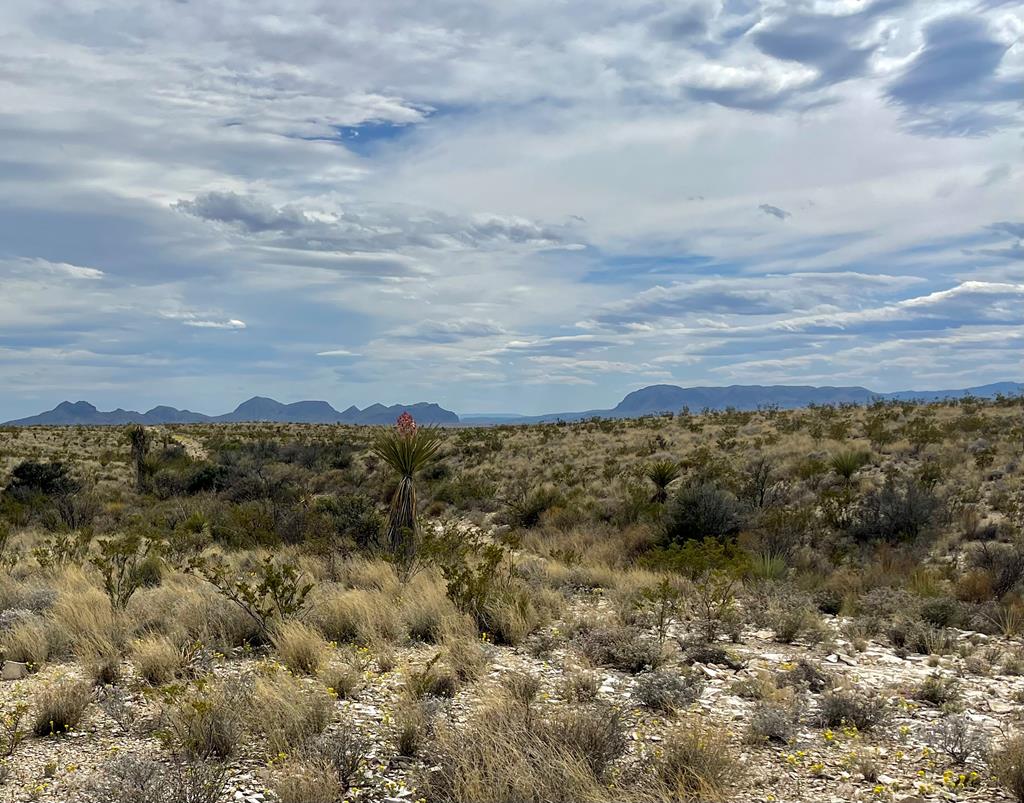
(817, 764)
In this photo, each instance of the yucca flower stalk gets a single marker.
(406, 448)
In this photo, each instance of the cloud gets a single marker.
(952, 86)
(455, 202)
(1008, 227)
(774, 211)
(372, 227)
(337, 353)
(740, 297)
(234, 323)
(835, 45)
(249, 213)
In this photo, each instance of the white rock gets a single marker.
(14, 670)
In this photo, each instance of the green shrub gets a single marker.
(702, 511)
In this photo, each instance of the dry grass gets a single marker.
(300, 647)
(58, 707)
(28, 642)
(288, 711)
(157, 659)
(696, 764)
(355, 615)
(499, 757)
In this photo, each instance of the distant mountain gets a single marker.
(258, 408)
(646, 401)
(656, 399)
(670, 398)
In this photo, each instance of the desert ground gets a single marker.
(813, 605)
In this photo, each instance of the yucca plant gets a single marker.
(848, 463)
(662, 473)
(407, 449)
(139, 440)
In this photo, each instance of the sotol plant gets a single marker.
(407, 449)
(662, 473)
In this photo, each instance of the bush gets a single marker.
(937, 690)
(773, 721)
(354, 517)
(620, 647)
(208, 721)
(59, 707)
(898, 511)
(863, 709)
(131, 778)
(702, 511)
(525, 506)
(941, 611)
(956, 737)
(804, 675)
(668, 691)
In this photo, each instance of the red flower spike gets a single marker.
(406, 425)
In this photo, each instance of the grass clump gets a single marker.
(300, 647)
(157, 659)
(59, 706)
(696, 764)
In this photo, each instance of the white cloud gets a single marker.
(465, 199)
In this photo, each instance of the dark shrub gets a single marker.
(524, 507)
(898, 511)
(354, 516)
(941, 611)
(49, 479)
(701, 511)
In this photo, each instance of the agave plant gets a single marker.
(662, 473)
(406, 448)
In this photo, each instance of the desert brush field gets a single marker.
(811, 605)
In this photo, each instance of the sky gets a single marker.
(526, 206)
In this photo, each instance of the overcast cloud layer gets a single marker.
(527, 206)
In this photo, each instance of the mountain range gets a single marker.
(258, 408)
(650, 400)
(656, 399)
